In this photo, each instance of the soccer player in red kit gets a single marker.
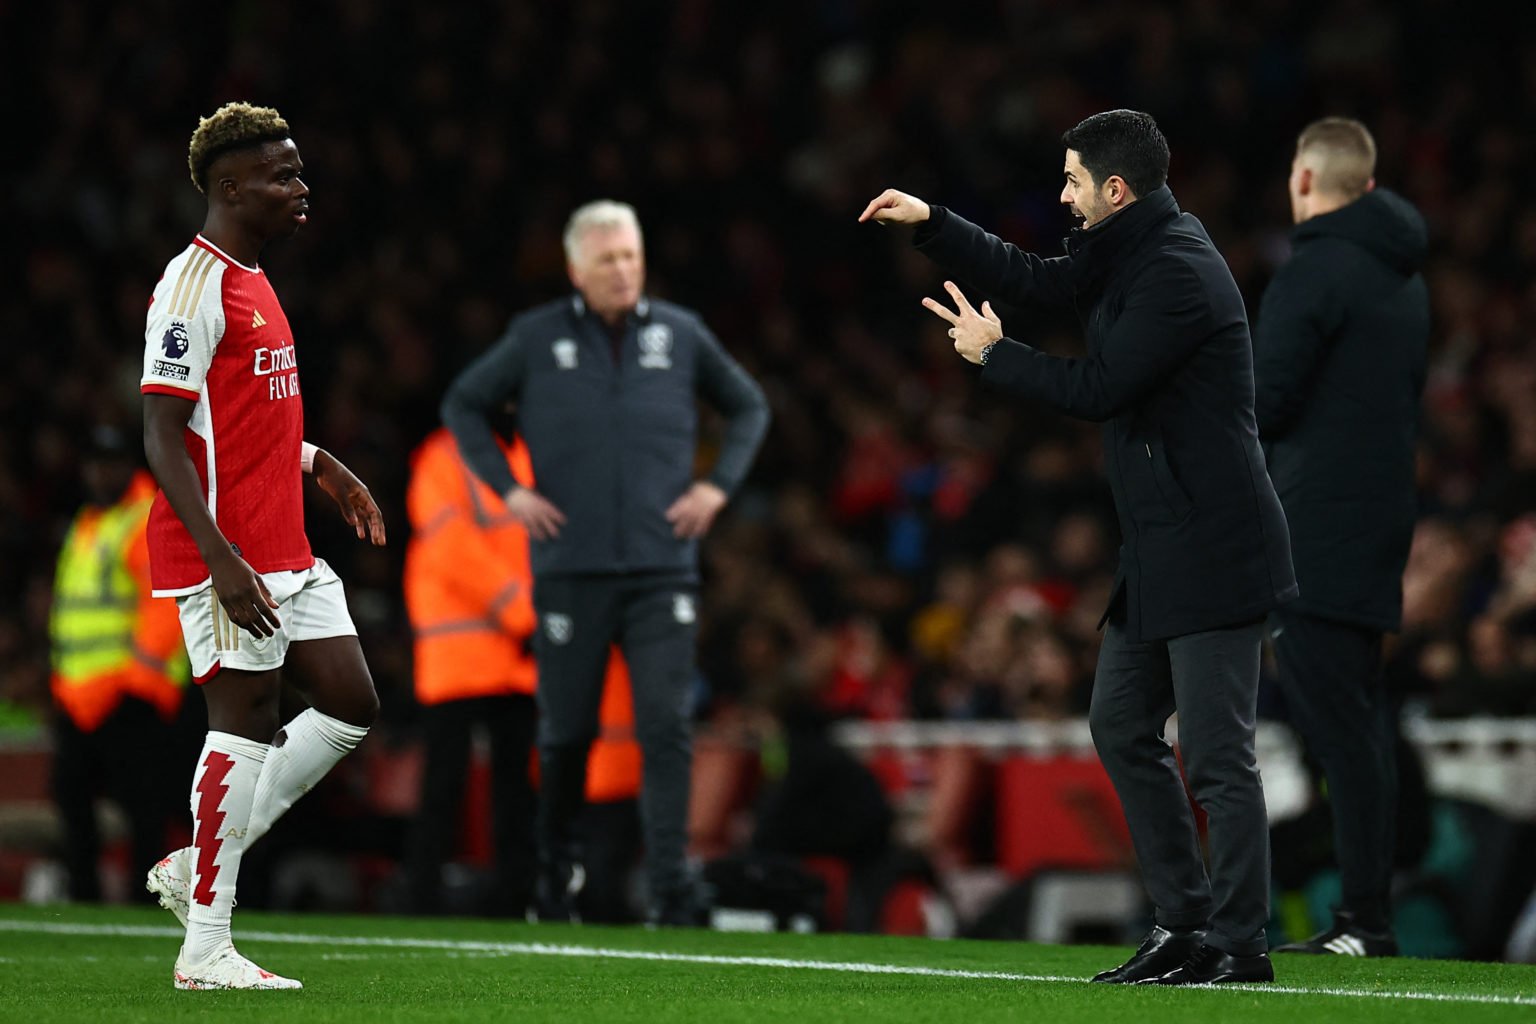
(224, 433)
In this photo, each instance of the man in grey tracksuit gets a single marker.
(604, 385)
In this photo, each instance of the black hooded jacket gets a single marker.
(1169, 371)
(1339, 360)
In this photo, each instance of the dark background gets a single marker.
(916, 545)
(906, 545)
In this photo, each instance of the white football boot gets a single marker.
(228, 970)
(171, 880)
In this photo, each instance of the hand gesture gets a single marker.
(893, 207)
(244, 595)
(352, 497)
(971, 330)
(536, 512)
(692, 515)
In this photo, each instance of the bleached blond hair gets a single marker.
(233, 126)
(1342, 154)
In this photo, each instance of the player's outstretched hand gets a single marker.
(694, 513)
(352, 496)
(535, 512)
(244, 596)
(893, 207)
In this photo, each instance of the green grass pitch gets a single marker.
(114, 964)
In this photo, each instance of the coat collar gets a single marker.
(640, 314)
(1096, 250)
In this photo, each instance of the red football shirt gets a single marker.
(217, 336)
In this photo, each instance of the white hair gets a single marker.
(601, 213)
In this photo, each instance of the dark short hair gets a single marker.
(233, 126)
(1123, 142)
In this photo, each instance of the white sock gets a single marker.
(302, 752)
(223, 788)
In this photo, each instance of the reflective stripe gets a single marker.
(617, 733)
(457, 626)
(86, 604)
(115, 641)
(484, 517)
(149, 661)
(505, 596)
(443, 518)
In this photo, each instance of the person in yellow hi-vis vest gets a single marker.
(468, 592)
(118, 673)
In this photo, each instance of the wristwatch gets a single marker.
(986, 353)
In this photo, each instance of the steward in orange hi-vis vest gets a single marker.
(468, 589)
(469, 594)
(119, 673)
(111, 639)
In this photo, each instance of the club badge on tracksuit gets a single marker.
(558, 628)
(564, 352)
(682, 609)
(656, 347)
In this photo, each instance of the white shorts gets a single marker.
(311, 605)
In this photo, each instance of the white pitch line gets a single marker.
(601, 953)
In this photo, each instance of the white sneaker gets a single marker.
(228, 969)
(171, 880)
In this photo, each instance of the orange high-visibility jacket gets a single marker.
(467, 582)
(469, 594)
(613, 766)
(111, 639)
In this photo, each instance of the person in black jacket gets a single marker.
(605, 385)
(1205, 554)
(1339, 354)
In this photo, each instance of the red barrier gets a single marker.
(1058, 812)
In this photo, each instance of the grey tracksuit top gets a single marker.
(613, 441)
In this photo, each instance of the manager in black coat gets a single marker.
(1339, 354)
(1205, 553)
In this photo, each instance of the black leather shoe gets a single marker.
(1212, 966)
(1346, 938)
(1160, 952)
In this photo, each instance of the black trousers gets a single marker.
(131, 759)
(610, 842)
(653, 620)
(1212, 680)
(449, 730)
(1330, 678)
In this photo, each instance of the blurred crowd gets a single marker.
(907, 546)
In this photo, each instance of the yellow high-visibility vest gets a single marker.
(95, 597)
